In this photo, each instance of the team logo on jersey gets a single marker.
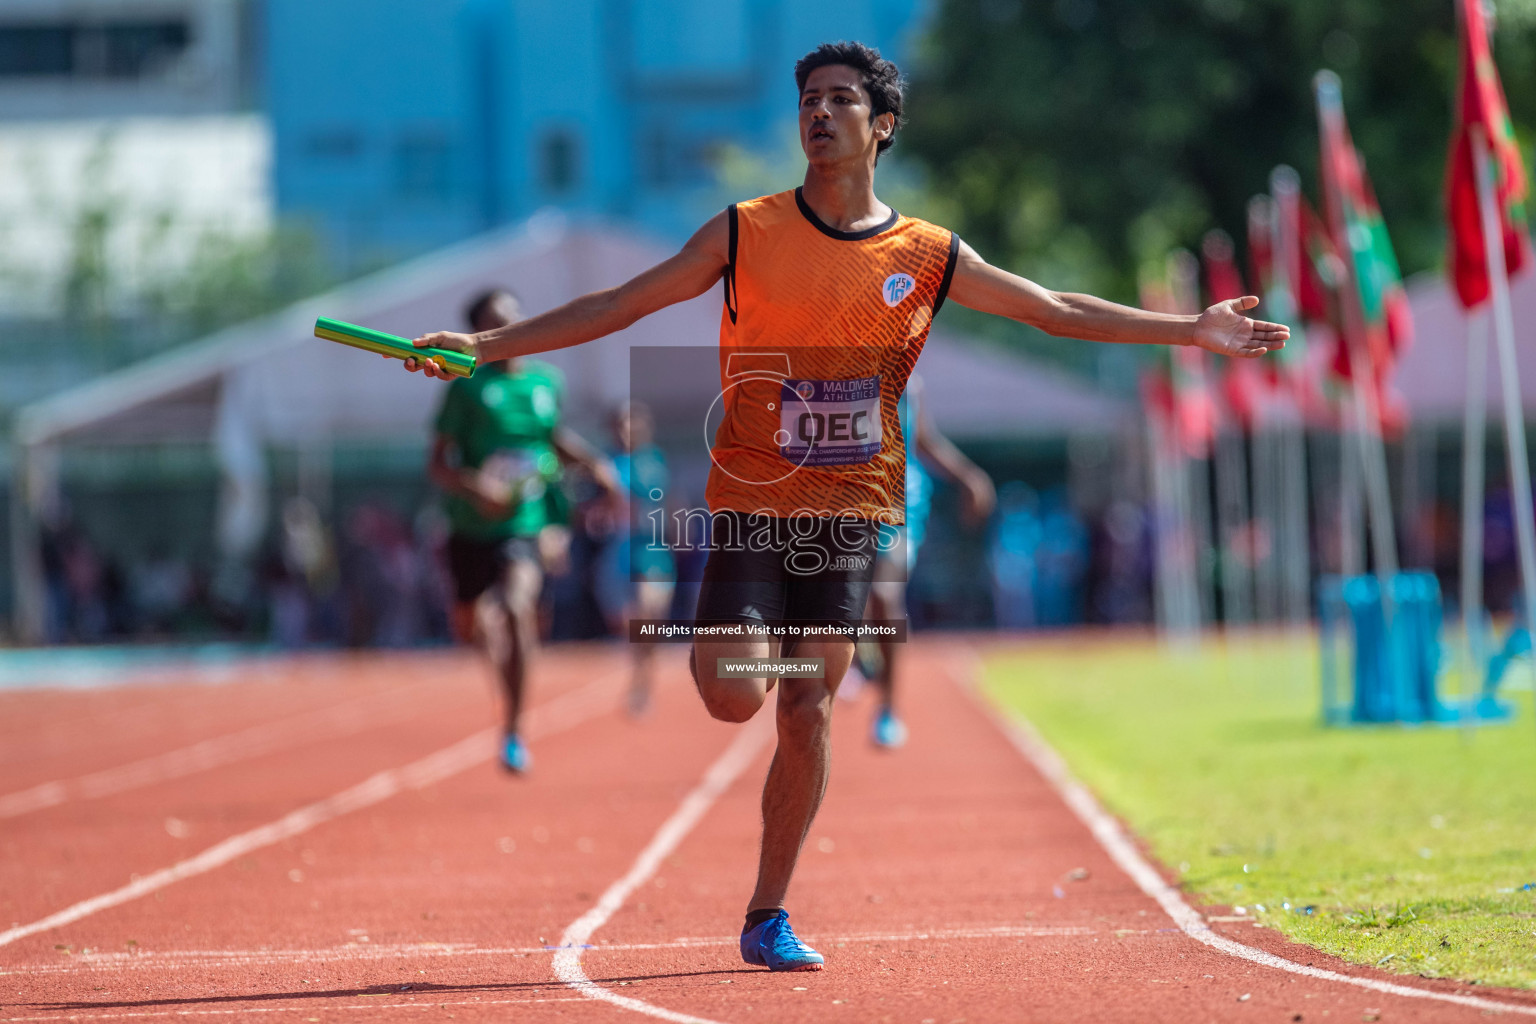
(897, 287)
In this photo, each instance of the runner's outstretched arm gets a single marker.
(1221, 329)
(690, 273)
(573, 449)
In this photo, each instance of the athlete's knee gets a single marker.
(887, 598)
(520, 589)
(728, 700)
(731, 700)
(491, 622)
(730, 705)
(804, 711)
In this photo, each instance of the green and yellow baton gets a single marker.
(370, 340)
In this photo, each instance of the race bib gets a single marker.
(830, 422)
(516, 473)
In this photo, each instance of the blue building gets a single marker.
(402, 125)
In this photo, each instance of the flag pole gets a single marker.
(1183, 277)
(1232, 520)
(1284, 207)
(1367, 411)
(1473, 439)
(1509, 373)
(1229, 462)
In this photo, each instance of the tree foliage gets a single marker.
(1080, 138)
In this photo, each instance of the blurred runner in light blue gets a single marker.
(635, 573)
(877, 660)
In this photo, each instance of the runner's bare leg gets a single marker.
(508, 624)
(887, 601)
(797, 779)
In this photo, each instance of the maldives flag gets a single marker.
(1317, 266)
(1360, 235)
(1480, 104)
(1305, 281)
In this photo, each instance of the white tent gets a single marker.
(270, 382)
(1432, 374)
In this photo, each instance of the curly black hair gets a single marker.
(881, 79)
(482, 302)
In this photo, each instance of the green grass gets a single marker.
(1410, 848)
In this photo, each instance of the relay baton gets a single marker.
(370, 340)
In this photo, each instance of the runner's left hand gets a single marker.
(1224, 330)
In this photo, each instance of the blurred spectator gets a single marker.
(431, 532)
(161, 589)
(388, 580)
(1061, 563)
(87, 596)
(305, 587)
(1015, 541)
(1121, 566)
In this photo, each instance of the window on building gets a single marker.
(136, 50)
(35, 50)
(656, 156)
(423, 164)
(669, 157)
(558, 161)
(112, 50)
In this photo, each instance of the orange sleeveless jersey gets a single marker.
(820, 331)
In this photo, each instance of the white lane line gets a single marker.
(344, 719)
(726, 769)
(241, 959)
(560, 713)
(167, 690)
(1028, 741)
(431, 1004)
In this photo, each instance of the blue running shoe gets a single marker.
(773, 945)
(514, 755)
(890, 732)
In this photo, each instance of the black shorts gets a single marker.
(478, 565)
(772, 570)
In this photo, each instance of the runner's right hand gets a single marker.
(977, 498)
(465, 343)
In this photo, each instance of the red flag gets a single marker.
(1318, 270)
(1480, 104)
(1223, 280)
(1194, 403)
(1245, 384)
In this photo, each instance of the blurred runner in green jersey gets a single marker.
(497, 456)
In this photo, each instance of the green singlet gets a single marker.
(504, 423)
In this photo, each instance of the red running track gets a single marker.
(348, 851)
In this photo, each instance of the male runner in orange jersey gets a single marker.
(842, 289)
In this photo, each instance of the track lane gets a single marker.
(332, 722)
(79, 853)
(77, 850)
(957, 830)
(60, 735)
(935, 898)
(428, 867)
